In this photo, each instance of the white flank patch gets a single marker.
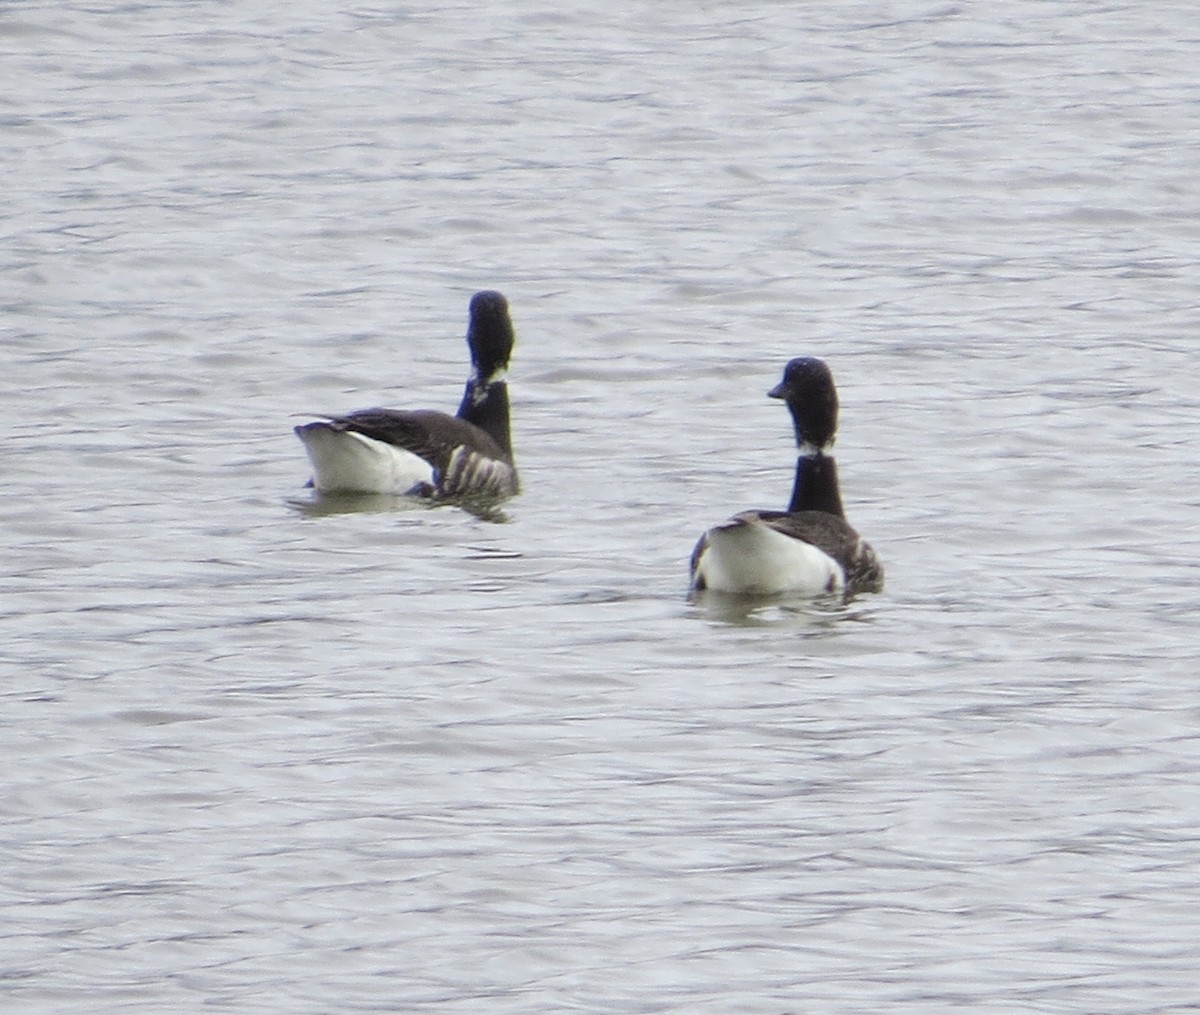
(348, 462)
(750, 558)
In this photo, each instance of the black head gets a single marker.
(811, 397)
(490, 334)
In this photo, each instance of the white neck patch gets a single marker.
(481, 385)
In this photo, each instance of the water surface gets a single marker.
(271, 754)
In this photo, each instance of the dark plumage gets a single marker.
(811, 396)
(810, 548)
(423, 452)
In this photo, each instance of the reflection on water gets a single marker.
(795, 612)
(321, 505)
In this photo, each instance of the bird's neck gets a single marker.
(816, 486)
(485, 405)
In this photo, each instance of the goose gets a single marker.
(422, 452)
(809, 549)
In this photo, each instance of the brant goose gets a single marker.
(810, 548)
(422, 452)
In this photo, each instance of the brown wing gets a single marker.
(428, 434)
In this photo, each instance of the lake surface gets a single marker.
(265, 753)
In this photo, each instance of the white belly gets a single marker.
(348, 462)
(750, 558)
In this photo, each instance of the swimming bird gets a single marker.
(422, 452)
(810, 548)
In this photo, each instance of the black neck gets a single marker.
(816, 487)
(486, 406)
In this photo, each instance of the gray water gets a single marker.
(264, 753)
